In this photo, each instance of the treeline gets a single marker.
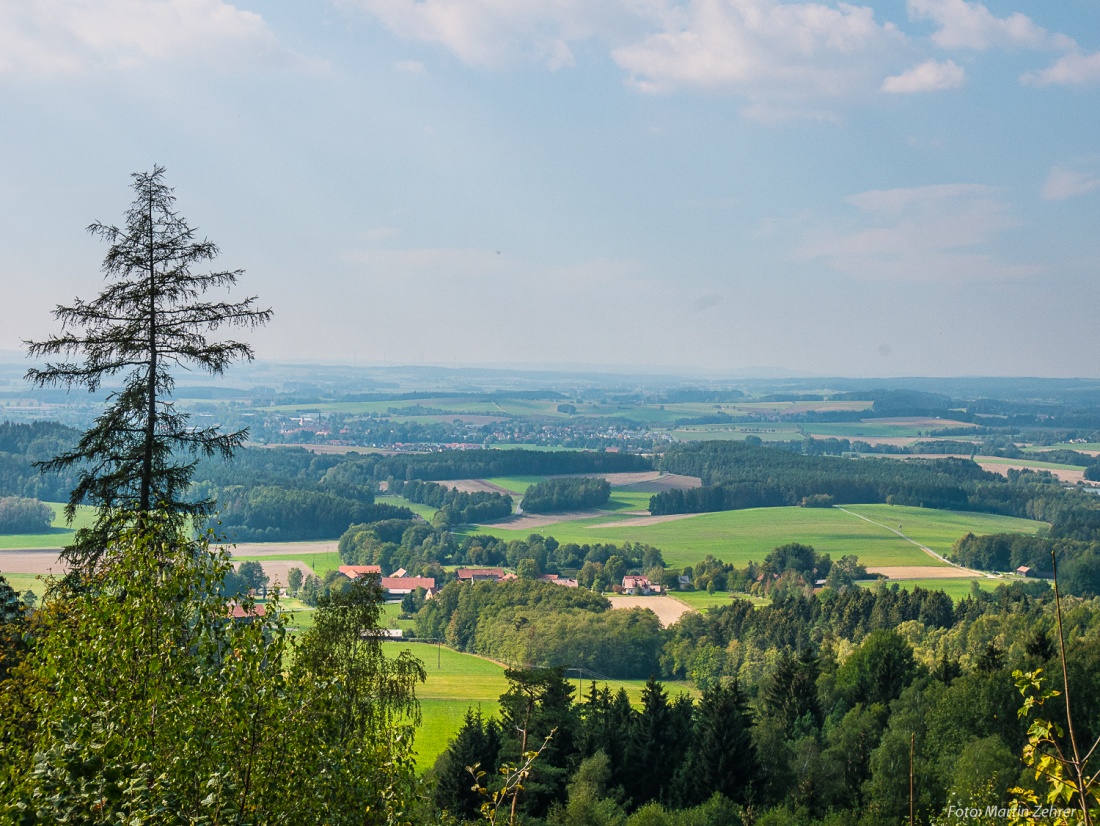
(809, 706)
(23, 444)
(478, 464)
(564, 494)
(458, 507)
(424, 549)
(606, 758)
(527, 621)
(1079, 570)
(276, 514)
(737, 475)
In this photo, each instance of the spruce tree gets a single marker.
(151, 318)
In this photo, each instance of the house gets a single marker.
(1023, 570)
(639, 585)
(239, 613)
(356, 571)
(479, 574)
(398, 586)
(559, 580)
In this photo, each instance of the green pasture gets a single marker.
(25, 582)
(744, 535)
(938, 529)
(56, 537)
(701, 600)
(1063, 446)
(458, 681)
(424, 511)
(1031, 463)
(955, 588)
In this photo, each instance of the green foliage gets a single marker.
(143, 701)
(458, 507)
(551, 495)
(21, 515)
(146, 320)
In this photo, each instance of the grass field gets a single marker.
(56, 537)
(1063, 446)
(701, 600)
(26, 582)
(1032, 463)
(458, 681)
(740, 536)
(955, 588)
(425, 511)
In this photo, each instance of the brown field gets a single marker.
(919, 421)
(32, 562)
(662, 482)
(896, 441)
(925, 572)
(1071, 477)
(643, 521)
(474, 486)
(533, 521)
(278, 571)
(272, 548)
(667, 609)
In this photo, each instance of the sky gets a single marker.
(909, 187)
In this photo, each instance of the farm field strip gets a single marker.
(57, 536)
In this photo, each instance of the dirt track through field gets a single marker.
(303, 549)
(952, 566)
(645, 521)
(532, 521)
(667, 609)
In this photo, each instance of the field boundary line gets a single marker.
(924, 548)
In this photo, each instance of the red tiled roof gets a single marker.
(237, 611)
(407, 583)
(353, 571)
(477, 573)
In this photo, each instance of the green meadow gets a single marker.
(744, 535)
(955, 588)
(56, 537)
(1032, 463)
(458, 681)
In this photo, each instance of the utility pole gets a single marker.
(912, 752)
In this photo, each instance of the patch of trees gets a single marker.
(564, 494)
(533, 622)
(738, 475)
(459, 507)
(809, 707)
(478, 464)
(1079, 561)
(23, 444)
(21, 515)
(269, 514)
(672, 761)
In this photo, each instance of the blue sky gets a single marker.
(903, 188)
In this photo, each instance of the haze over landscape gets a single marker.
(908, 188)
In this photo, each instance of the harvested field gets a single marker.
(272, 548)
(1071, 477)
(666, 481)
(667, 609)
(645, 521)
(474, 486)
(32, 562)
(896, 441)
(919, 421)
(279, 570)
(533, 521)
(924, 572)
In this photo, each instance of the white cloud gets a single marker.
(921, 234)
(1065, 183)
(930, 76)
(1075, 68)
(968, 25)
(761, 47)
(500, 32)
(74, 36)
